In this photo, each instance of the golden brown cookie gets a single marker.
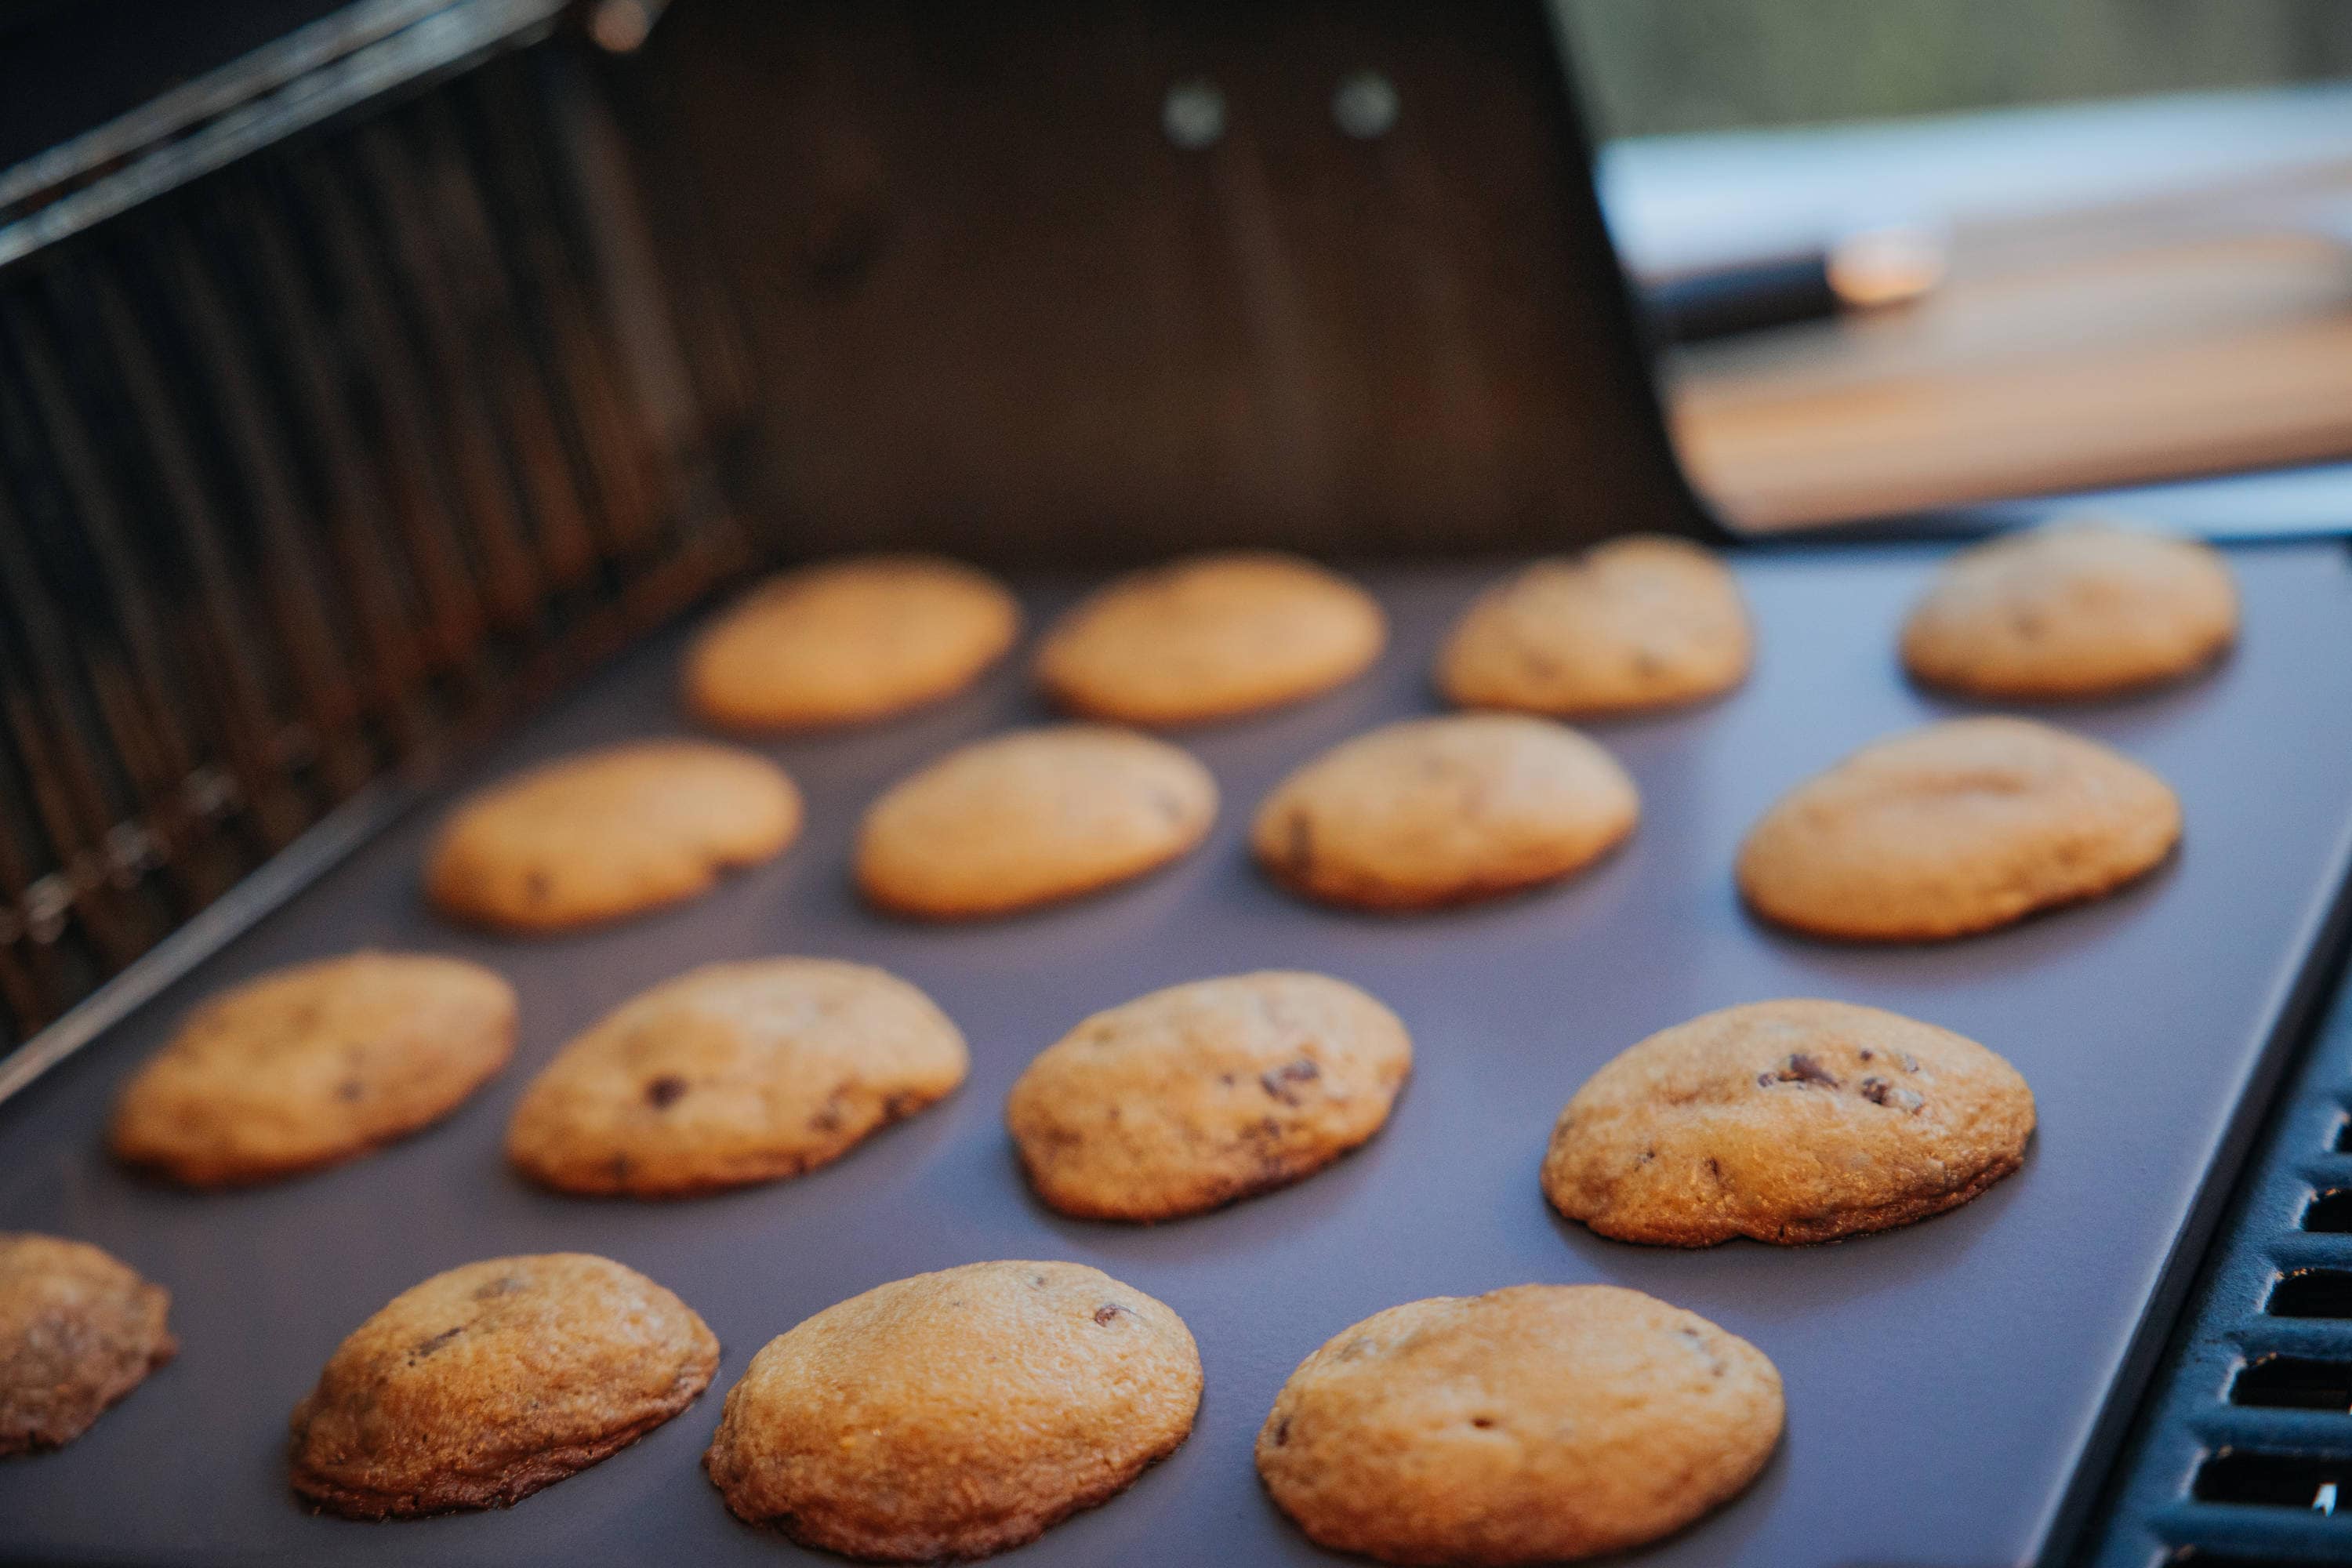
(2082, 609)
(481, 1385)
(1202, 1093)
(1440, 811)
(849, 640)
(734, 1073)
(78, 1331)
(1210, 636)
(956, 1414)
(313, 1065)
(1531, 1425)
(1788, 1121)
(610, 833)
(1029, 818)
(1642, 622)
(1954, 828)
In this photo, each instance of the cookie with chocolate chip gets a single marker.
(1955, 829)
(849, 641)
(611, 833)
(1787, 1121)
(1537, 1424)
(734, 1073)
(1032, 817)
(313, 1065)
(2072, 610)
(78, 1331)
(481, 1385)
(1638, 623)
(1194, 1096)
(1210, 636)
(1440, 811)
(956, 1414)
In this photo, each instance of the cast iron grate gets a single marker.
(2242, 1458)
(337, 416)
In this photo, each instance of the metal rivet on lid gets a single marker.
(1366, 106)
(1193, 115)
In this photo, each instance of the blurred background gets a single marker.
(2140, 213)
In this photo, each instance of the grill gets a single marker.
(373, 407)
(340, 418)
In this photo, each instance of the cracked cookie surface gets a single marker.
(1032, 817)
(312, 1065)
(1535, 1424)
(1788, 1121)
(1427, 812)
(1644, 622)
(1955, 829)
(956, 1414)
(2072, 610)
(610, 833)
(78, 1331)
(1209, 637)
(1202, 1093)
(734, 1073)
(484, 1383)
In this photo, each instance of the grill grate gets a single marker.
(312, 462)
(2243, 1455)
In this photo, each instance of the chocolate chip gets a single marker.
(426, 1347)
(1107, 1312)
(895, 1106)
(1281, 1082)
(500, 1285)
(1803, 1069)
(1482, 1422)
(1301, 853)
(662, 1092)
(1282, 1432)
(1866, 1054)
(1878, 1091)
(350, 1089)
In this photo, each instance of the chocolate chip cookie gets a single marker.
(849, 641)
(1531, 1425)
(956, 1414)
(1210, 636)
(734, 1073)
(481, 1385)
(1638, 623)
(2073, 610)
(78, 1331)
(1441, 811)
(1788, 1121)
(1029, 818)
(1194, 1096)
(1955, 829)
(313, 1065)
(611, 833)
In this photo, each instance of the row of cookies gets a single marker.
(962, 1413)
(2073, 610)
(1171, 1104)
(1956, 827)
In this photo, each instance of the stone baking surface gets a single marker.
(1942, 1380)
